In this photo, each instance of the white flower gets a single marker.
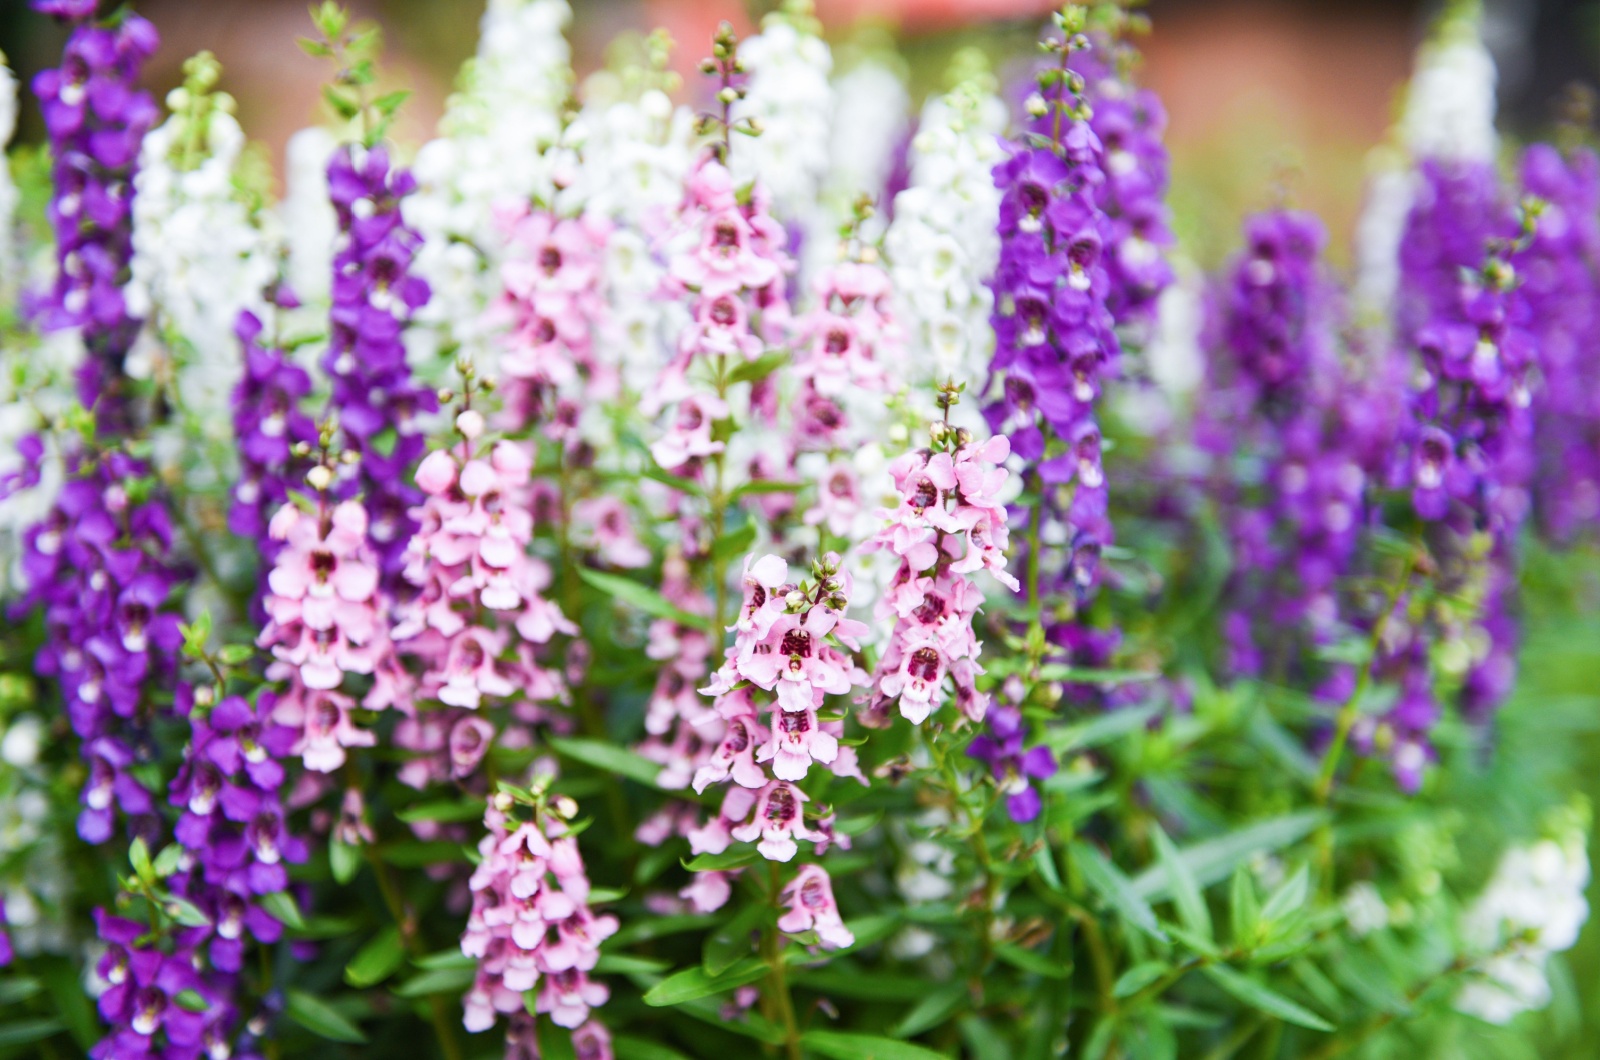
(8, 190)
(789, 94)
(1364, 909)
(20, 745)
(1450, 105)
(494, 151)
(1533, 907)
(198, 259)
(306, 214)
(942, 246)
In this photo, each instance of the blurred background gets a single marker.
(1268, 98)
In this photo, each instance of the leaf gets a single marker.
(185, 912)
(139, 858)
(167, 861)
(71, 1004)
(623, 964)
(318, 1017)
(734, 542)
(731, 942)
(450, 980)
(608, 758)
(1186, 896)
(935, 1008)
(18, 988)
(742, 855)
(866, 986)
(442, 810)
(627, 1047)
(23, 1032)
(391, 101)
(760, 368)
(1029, 961)
(644, 598)
(344, 859)
(1257, 996)
(1101, 730)
(1244, 909)
(1106, 880)
(645, 928)
(414, 854)
(1044, 862)
(766, 485)
(1289, 898)
(692, 983)
(281, 906)
(377, 960)
(451, 958)
(1213, 859)
(842, 1046)
(192, 1000)
(1138, 977)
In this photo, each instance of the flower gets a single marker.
(810, 906)
(1013, 768)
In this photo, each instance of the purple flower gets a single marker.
(96, 117)
(376, 398)
(1013, 768)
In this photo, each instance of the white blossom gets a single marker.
(788, 94)
(307, 215)
(1533, 907)
(199, 258)
(942, 245)
(8, 189)
(493, 152)
(1450, 105)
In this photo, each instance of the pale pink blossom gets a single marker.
(809, 900)
(778, 821)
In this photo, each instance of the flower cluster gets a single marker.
(1274, 402)
(374, 295)
(96, 118)
(326, 618)
(947, 525)
(789, 99)
(941, 243)
(1054, 339)
(157, 1003)
(1013, 766)
(531, 927)
(98, 567)
(269, 421)
(470, 561)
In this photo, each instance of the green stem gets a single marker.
(395, 902)
(777, 981)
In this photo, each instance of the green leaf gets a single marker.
(644, 598)
(608, 758)
(71, 1004)
(1244, 909)
(235, 654)
(185, 912)
(414, 854)
(872, 986)
(1101, 730)
(1257, 996)
(734, 543)
(1289, 898)
(1138, 977)
(318, 1017)
(451, 958)
(1029, 961)
(731, 942)
(139, 858)
(738, 857)
(442, 810)
(935, 1008)
(1212, 860)
(841, 1046)
(692, 983)
(377, 960)
(627, 1047)
(344, 859)
(766, 485)
(390, 102)
(167, 861)
(1106, 880)
(1044, 863)
(1186, 896)
(760, 368)
(450, 980)
(23, 1032)
(555, 1043)
(18, 988)
(192, 1000)
(624, 964)
(281, 906)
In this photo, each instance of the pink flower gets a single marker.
(763, 602)
(729, 256)
(322, 717)
(794, 660)
(716, 834)
(592, 1042)
(797, 741)
(707, 891)
(779, 820)
(809, 898)
(605, 524)
(839, 502)
(735, 757)
(690, 436)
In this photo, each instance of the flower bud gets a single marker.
(319, 478)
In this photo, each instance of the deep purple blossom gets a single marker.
(96, 117)
(268, 421)
(1013, 767)
(376, 398)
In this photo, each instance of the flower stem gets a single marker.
(777, 982)
(408, 936)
